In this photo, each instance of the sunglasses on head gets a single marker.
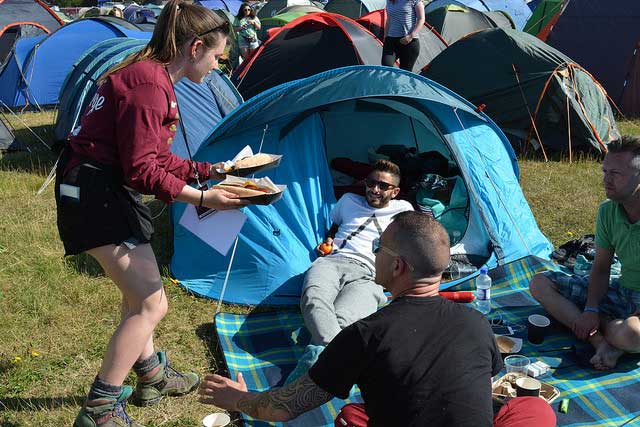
(384, 186)
(224, 27)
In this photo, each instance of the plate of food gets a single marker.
(508, 345)
(261, 191)
(251, 164)
(504, 389)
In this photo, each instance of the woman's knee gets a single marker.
(631, 334)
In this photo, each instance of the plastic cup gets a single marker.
(217, 419)
(526, 386)
(537, 328)
(516, 364)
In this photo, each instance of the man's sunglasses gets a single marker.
(377, 247)
(384, 186)
(223, 28)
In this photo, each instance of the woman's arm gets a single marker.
(256, 23)
(214, 199)
(419, 9)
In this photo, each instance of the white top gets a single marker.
(401, 17)
(359, 224)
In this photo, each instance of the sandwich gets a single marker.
(246, 188)
(248, 162)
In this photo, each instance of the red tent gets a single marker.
(431, 42)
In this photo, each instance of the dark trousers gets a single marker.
(407, 54)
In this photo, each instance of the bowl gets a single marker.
(217, 419)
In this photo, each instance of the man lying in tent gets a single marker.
(339, 286)
(421, 360)
(602, 311)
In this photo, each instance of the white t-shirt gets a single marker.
(360, 223)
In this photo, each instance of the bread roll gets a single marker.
(244, 191)
(253, 161)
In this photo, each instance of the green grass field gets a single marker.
(57, 314)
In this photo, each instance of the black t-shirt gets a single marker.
(418, 362)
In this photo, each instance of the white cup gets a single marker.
(217, 419)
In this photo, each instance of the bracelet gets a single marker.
(592, 309)
(201, 198)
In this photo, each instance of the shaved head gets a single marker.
(422, 241)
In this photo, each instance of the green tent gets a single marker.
(536, 94)
(454, 22)
(543, 13)
(277, 21)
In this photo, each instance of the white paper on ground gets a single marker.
(218, 230)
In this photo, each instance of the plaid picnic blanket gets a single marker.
(266, 347)
(596, 398)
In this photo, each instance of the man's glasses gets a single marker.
(224, 28)
(377, 247)
(384, 186)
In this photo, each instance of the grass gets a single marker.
(57, 314)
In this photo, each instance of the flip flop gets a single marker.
(578, 358)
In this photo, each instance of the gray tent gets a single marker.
(8, 141)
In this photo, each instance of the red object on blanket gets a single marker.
(458, 296)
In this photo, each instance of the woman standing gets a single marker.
(404, 20)
(120, 151)
(246, 27)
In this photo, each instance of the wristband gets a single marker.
(201, 198)
(592, 309)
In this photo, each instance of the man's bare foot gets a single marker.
(606, 356)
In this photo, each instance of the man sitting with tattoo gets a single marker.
(420, 358)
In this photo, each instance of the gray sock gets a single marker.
(143, 367)
(103, 390)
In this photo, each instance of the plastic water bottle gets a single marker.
(483, 292)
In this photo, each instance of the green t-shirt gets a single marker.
(613, 231)
(249, 33)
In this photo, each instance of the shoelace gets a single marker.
(120, 410)
(170, 371)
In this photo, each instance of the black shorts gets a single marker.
(95, 209)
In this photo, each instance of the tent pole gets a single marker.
(533, 122)
(569, 128)
(226, 277)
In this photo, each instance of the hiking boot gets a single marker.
(109, 414)
(166, 382)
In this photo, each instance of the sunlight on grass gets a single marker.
(57, 314)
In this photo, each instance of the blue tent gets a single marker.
(518, 10)
(202, 105)
(232, 6)
(39, 66)
(309, 123)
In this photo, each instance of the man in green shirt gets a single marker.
(605, 312)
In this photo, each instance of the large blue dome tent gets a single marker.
(202, 105)
(39, 66)
(309, 122)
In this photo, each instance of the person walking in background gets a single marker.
(246, 27)
(120, 151)
(404, 20)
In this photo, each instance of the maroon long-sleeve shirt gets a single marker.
(130, 125)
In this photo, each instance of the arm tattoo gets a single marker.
(296, 398)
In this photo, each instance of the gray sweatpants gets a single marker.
(337, 291)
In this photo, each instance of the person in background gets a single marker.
(116, 11)
(246, 27)
(605, 312)
(120, 151)
(404, 20)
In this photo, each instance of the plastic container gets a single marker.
(483, 292)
